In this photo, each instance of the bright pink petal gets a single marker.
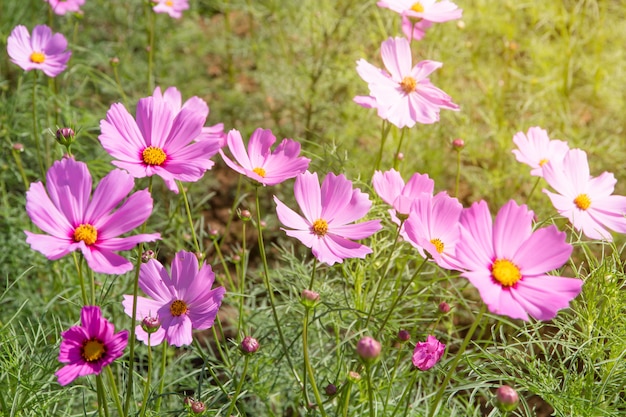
(69, 188)
(512, 226)
(45, 214)
(134, 212)
(396, 54)
(308, 195)
(543, 296)
(290, 218)
(179, 331)
(545, 250)
(112, 189)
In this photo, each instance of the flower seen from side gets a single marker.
(418, 16)
(62, 7)
(403, 94)
(427, 354)
(88, 348)
(259, 163)
(75, 220)
(182, 300)
(508, 262)
(174, 8)
(391, 188)
(536, 149)
(161, 139)
(327, 225)
(588, 202)
(43, 50)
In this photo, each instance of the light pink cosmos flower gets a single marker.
(74, 220)
(427, 354)
(62, 7)
(536, 149)
(88, 348)
(182, 302)
(417, 16)
(391, 188)
(327, 226)
(159, 142)
(43, 51)
(404, 95)
(172, 7)
(433, 226)
(507, 262)
(259, 163)
(586, 201)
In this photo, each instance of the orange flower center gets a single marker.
(87, 233)
(153, 156)
(320, 227)
(582, 201)
(169, 3)
(505, 272)
(543, 162)
(438, 244)
(37, 57)
(93, 350)
(408, 84)
(259, 171)
(178, 308)
(417, 7)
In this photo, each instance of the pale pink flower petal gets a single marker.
(417, 16)
(536, 149)
(43, 51)
(62, 7)
(174, 8)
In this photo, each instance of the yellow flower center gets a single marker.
(169, 3)
(582, 201)
(93, 350)
(153, 156)
(320, 227)
(408, 84)
(37, 57)
(438, 244)
(87, 233)
(178, 308)
(417, 7)
(505, 272)
(259, 171)
(543, 162)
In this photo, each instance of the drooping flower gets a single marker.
(391, 188)
(182, 300)
(433, 226)
(536, 149)
(404, 95)
(259, 163)
(74, 220)
(507, 262)
(43, 51)
(588, 202)
(418, 16)
(174, 8)
(88, 348)
(62, 7)
(329, 212)
(427, 354)
(159, 142)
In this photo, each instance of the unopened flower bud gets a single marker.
(404, 335)
(147, 255)
(331, 389)
(150, 324)
(263, 224)
(400, 156)
(65, 136)
(245, 215)
(444, 307)
(214, 234)
(115, 61)
(368, 349)
(198, 407)
(188, 401)
(309, 298)
(236, 258)
(458, 144)
(18, 147)
(354, 376)
(506, 398)
(249, 345)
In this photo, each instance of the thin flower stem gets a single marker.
(151, 25)
(242, 277)
(102, 403)
(196, 344)
(406, 391)
(79, 271)
(188, 210)
(20, 168)
(455, 361)
(396, 160)
(93, 286)
(458, 173)
(345, 405)
(115, 394)
(370, 391)
(313, 273)
(157, 407)
(239, 386)
(393, 378)
(116, 74)
(220, 256)
(36, 129)
(146, 389)
(384, 132)
(533, 189)
(307, 362)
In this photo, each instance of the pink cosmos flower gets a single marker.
(172, 7)
(62, 7)
(182, 301)
(88, 348)
(404, 95)
(391, 188)
(329, 212)
(535, 149)
(586, 201)
(260, 163)
(74, 220)
(507, 262)
(428, 353)
(433, 226)
(159, 141)
(43, 51)
(417, 16)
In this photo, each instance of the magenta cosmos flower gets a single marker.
(391, 188)
(328, 213)
(404, 95)
(62, 7)
(174, 8)
(74, 220)
(427, 354)
(159, 142)
(259, 162)
(182, 302)
(586, 201)
(43, 51)
(417, 16)
(536, 149)
(88, 348)
(507, 262)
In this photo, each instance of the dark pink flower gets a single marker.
(43, 51)
(428, 353)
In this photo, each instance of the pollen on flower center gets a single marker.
(259, 171)
(543, 162)
(37, 57)
(320, 227)
(582, 201)
(153, 156)
(438, 244)
(417, 7)
(169, 3)
(178, 308)
(87, 233)
(92, 350)
(505, 272)
(408, 84)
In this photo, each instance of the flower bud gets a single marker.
(245, 215)
(65, 136)
(249, 345)
(331, 389)
(115, 61)
(147, 255)
(458, 144)
(18, 147)
(263, 224)
(150, 324)
(404, 335)
(236, 258)
(368, 349)
(354, 376)
(444, 307)
(506, 398)
(400, 156)
(309, 298)
(188, 401)
(197, 407)
(214, 234)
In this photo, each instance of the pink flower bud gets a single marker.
(147, 255)
(150, 324)
(245, 215)
(368, 349)
(309, 298)
(198, 407)
(249, 345)
(331, 389)
(404, 335)
(428, 353)
(506, 398)
(458, 144)
(444, 307)
(18, 147)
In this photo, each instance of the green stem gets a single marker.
(456, 360)
(307, 362)
(396, 160)
(239, 386)
(220, 256)
(458, 173)
(115, 393)
(242, 277)
(393, 378)
(79, 271)
(116, 74)
(102, 402)
(407, 390)
(151, 25)
(36, 129)
(146, 390)
(313, 273)
(384, 132)
(157, 408)
(93, 286)
(20, 168)
(533, 189)
(370, 391)
(189, 218)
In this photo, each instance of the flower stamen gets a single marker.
(37, 57)
(320, 227)
(417, 7)
(87, 233)
(92, 350)
(408, 84)
(505, 272)
(582, 201)
(438, 244)
(178, 308)
(259, 171)
(153, 156)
